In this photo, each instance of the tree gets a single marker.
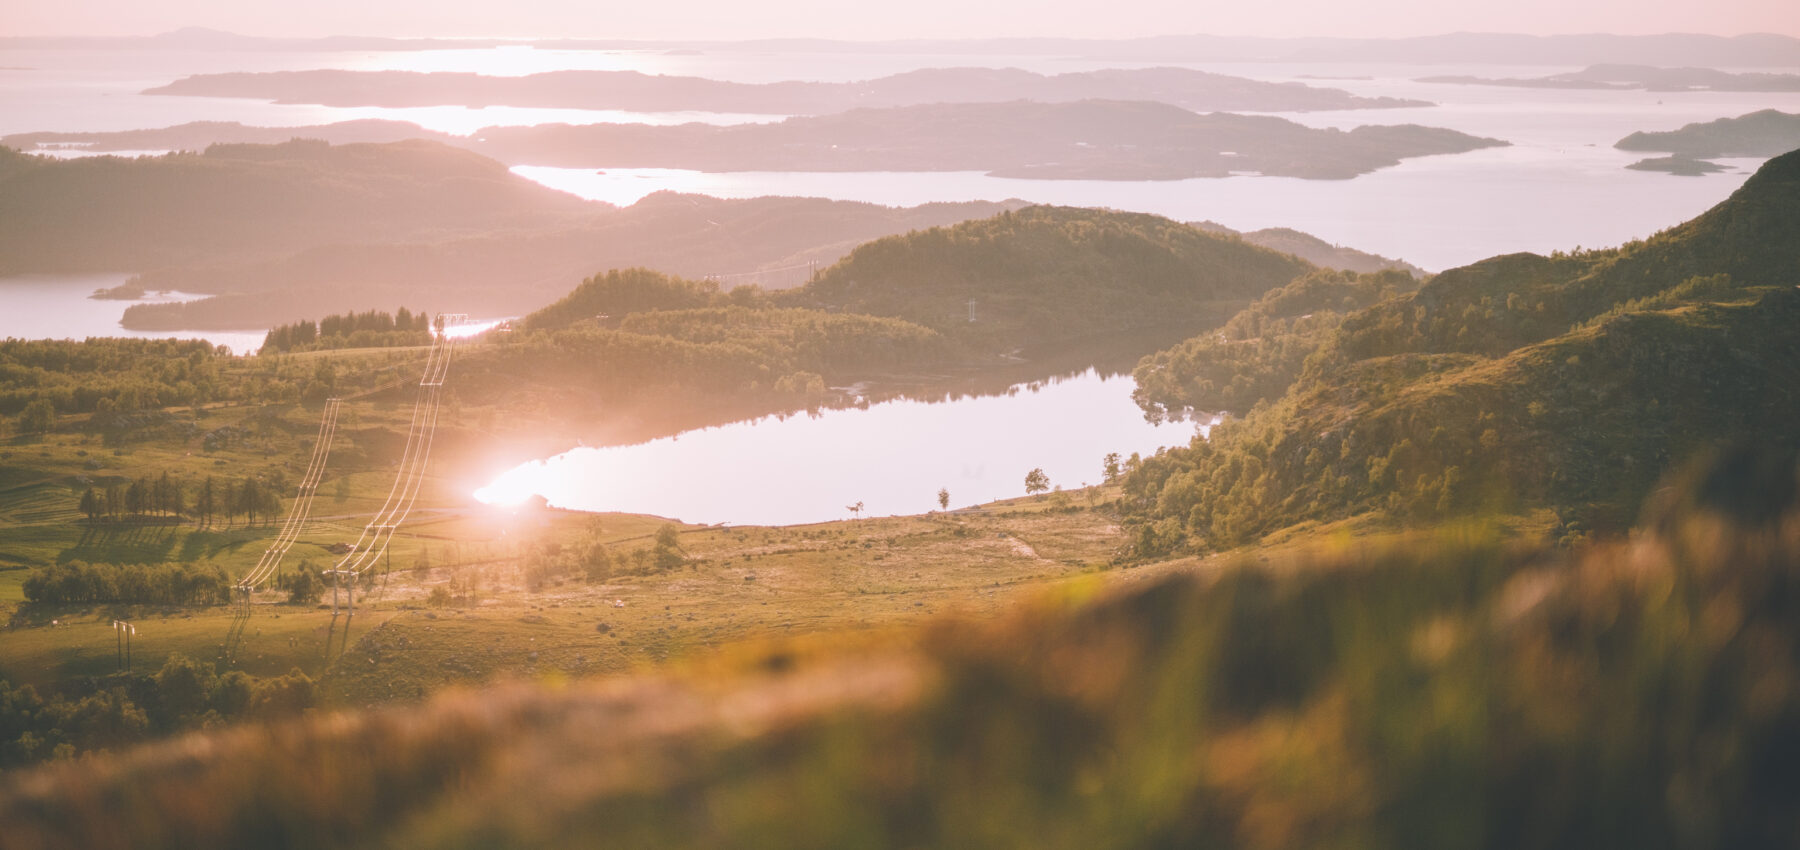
(90, 504)
(134, 498)
(304, 586)
(855, 509)
(667, 552)
(37, 417)
(1111, 467)
(944, 498)
(1036, 481)
(206, 501)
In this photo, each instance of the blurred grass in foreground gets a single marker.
(1446, 690)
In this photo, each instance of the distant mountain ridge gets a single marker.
(1639, 77)
(635, 91)
(1753, 49)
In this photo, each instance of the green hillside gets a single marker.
(1045, 275)
(1442, 690)
(1515, 384)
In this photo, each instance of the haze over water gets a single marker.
(1560, 185)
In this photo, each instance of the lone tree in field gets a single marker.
(37, 417)
(856, 509)
(944, 498)
(1036, 481)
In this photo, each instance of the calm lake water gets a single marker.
(893, 457)
(58, 307)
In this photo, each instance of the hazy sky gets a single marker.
(850, 19)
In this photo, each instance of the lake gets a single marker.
(58, 307)
(892, 456)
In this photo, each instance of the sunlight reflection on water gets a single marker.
(893, 457)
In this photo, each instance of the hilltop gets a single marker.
(1053, 289)
(1042, 276)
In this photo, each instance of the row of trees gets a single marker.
(76, 376)
(168, 497)
(125, 710)
(78, 582)
(351, 330)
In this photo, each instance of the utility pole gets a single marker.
(122, 632)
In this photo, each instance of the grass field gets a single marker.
(737, 583)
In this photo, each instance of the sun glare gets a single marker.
(474, 328)
(513, 488)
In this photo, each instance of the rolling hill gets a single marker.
(1569, 383)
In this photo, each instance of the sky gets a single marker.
(839, 19)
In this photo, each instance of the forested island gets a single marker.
(1090, 140)
(635, 91)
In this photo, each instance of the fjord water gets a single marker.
(1559, 186)
(58, 307)
(893, 457)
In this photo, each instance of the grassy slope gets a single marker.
(1441, 689)
(1518, 383)
(855, 574)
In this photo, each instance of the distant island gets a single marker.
(1092, 140)
(1763, 133)
(1089, 140)
(638, 92)
(1637, 78)
(1680, 166)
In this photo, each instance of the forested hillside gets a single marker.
(1046, 275)
(1570, 382)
